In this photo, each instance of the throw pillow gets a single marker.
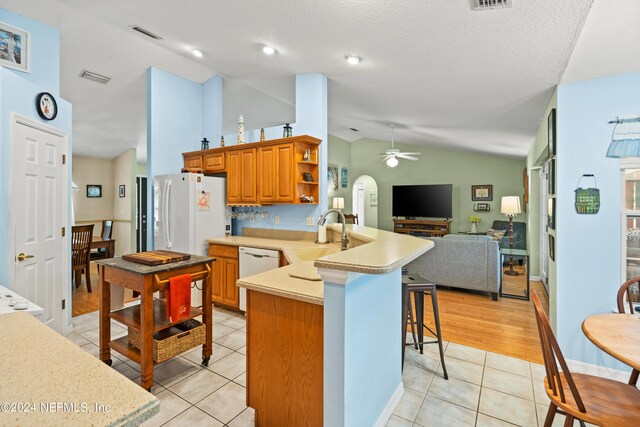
(496, 234)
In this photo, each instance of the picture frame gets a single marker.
(481, 193)
(332, 178)
(344, 178)
(552, 177)
(482, 207)
(525, 184)
(551, 213)
(551, 130)
(552, 247)
(307, 177)
(18, 41)
(121, 191)
(373, 198)
(94, 191)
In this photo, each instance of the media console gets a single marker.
(422, 227)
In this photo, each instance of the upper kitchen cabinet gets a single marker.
(280, 171)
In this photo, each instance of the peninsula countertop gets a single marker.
(376, 252)
(54, 382)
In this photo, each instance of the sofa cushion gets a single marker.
(519, 234)
(496, 234)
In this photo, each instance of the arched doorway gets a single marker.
(365, 201)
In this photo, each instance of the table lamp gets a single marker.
(338, 203)
(510, 207)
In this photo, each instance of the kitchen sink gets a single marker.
(310, 254)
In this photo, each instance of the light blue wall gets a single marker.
(18, 92)
(588, 257)
(212, 111)
(45, 52)
(362, 352)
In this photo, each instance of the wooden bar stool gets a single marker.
(420, 286)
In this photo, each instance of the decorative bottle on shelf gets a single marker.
(287, 131)
(222, 141)
(205, 144)
(261, 134)
(240, 129)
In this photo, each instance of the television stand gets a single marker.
(422, 227)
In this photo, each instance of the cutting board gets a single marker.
(156, 257)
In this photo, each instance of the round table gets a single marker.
(616, 334)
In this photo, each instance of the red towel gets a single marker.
(179, 298)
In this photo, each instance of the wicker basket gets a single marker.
(172, 341)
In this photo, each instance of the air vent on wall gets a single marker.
(490, 4)
(99, 78)
(145, 32)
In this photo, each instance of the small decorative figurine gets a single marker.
(222, 141)
(261, 134)
(287, 131)
(240, 129)
(205, 144)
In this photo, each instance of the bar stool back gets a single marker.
(420, 286)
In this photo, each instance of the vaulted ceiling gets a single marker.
(446, 75)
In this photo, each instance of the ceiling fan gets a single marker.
(391, 155)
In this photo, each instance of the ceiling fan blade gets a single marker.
(404, 156)
(411, 154)
(379, 156)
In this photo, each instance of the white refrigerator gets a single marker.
(188, 209)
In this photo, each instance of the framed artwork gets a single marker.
(373, 198)
(121, 191)
(332, 178)
(551, 127)
(485, 207)
(482, 193)
(344, 178)
(14, 48)
(552, 247)
(551, 213)
(94, 191)
(525, 184)
(552, 177)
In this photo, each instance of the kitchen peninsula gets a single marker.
(323, 336)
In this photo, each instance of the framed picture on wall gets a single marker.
(121, 191)
(552, 247)
(14, 48)
(344, 178)
(482, 193)
(551, 213)
(552, 177)
(94, 190)
(551, 128)
(332, 178)
(484, 207)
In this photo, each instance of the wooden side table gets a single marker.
(149, 316)
(505, 253)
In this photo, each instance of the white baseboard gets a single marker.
(577, 366)
(390, 407)
(535, 279)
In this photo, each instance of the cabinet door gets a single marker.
(285, 176)
(234, 177)
(214, 162)
(249, 193)
(218, 280)
(266, 174)
(231, 295)
(192, 161)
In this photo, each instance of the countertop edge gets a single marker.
(281, 293)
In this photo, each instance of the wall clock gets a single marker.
(46, 105)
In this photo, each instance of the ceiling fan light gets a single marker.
(392, 162)
(268, 50)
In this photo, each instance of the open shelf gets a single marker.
(130, 316)
(121, 345)
(308, 182)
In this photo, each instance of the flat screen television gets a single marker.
(427, 201)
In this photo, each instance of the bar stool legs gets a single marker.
(418, 285)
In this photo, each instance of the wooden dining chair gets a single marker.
(351, 219)
(80, 249)
(629, 289)
(581, 397)
(101, 253)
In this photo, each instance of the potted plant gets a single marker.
(474, 220)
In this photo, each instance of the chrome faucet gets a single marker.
(344, 241)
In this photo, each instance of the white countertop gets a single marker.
(6, 295)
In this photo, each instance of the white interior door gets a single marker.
(39, 201)
(358, 201)
(544, 234)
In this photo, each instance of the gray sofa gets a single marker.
(461, 261)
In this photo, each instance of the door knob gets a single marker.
(21, 256)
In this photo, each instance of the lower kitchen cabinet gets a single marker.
(225, 275)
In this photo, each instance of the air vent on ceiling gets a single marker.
(490, 4)
(145, 32)
(89, 75)
(354, 129)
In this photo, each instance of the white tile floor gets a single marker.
(484, 388)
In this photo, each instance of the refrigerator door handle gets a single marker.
(167, 216)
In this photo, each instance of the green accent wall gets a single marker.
(340, 156)
(435, 166)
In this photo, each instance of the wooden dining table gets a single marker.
(616, 334)
(98, 242)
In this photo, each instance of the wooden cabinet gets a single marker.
(425, 227)
(263, 173)
(225, 275)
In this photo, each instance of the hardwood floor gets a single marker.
(507, 326)
(83, 302)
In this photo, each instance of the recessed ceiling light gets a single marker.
(353, 59)
(268, 50)
(197, 53)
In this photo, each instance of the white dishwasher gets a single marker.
(254, 261)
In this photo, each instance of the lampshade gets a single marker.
(392, 162)
(510, 205)
(338, 203)
(625, 141)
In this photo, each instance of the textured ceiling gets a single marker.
(446, 75)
